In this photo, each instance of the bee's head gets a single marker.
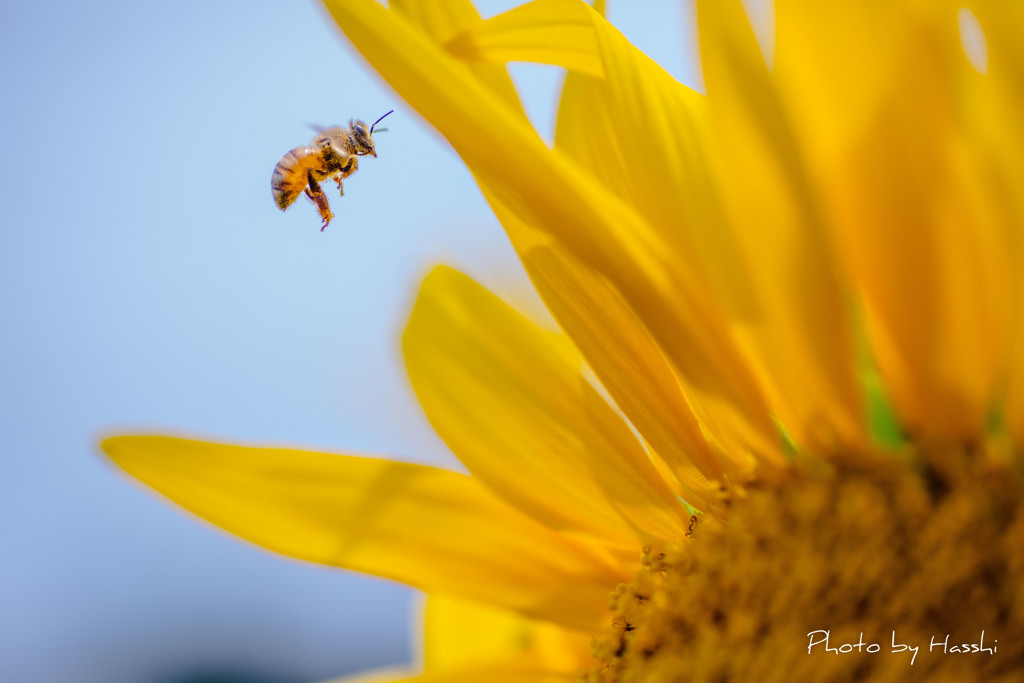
(362, 137)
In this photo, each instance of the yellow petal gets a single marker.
(647, 138)
(442, 20)
(911, 197)
(590, 117)
(500, 671)
(432, 529)
(639, 131)
(511, 402)
(549, 32)
(718, 438)
(386, 675)
(643, 134)
(460, 633)
(1000, 106)
(626, 361)
(553, 195)
(801, 329)
(624, 357)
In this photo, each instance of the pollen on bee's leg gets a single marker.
(327, 216)
(320, 199)
(322, 206)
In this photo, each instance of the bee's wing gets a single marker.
(332, 132)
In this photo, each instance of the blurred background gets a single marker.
(148, 283)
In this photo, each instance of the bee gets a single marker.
(333, 153)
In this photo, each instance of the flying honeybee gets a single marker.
(332, 154)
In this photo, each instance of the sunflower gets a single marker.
(779, 434)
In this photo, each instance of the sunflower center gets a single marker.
(869, 568)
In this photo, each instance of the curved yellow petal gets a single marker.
(511, 402)
(1003, 24)
(628, 363)
(442, 20)
(386, 675)
(549, 32)
(801, 331)
(639, 131)
(625, 359)
(635, 127)
(498, 671)
(553, 195)
(430, 528)
(711, 433)
(590, 117)
(459, 633)
(650, 140)
(607, 332)
(895, 118)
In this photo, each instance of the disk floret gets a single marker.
(882, 549)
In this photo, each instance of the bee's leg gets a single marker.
(347, 169)
(319, 198)
(350, 167)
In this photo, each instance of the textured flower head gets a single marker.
(790, 383)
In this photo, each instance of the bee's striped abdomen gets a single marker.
(290, 175)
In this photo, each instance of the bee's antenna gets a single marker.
(379, 120)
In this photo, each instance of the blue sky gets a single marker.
(148, 283)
